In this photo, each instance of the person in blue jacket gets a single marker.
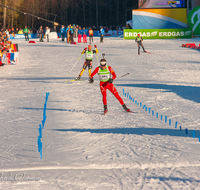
(67, 28)
(62, 31)
(102, 32)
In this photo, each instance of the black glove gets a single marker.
(91, 80)
(110, 81)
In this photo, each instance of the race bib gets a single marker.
(89, 56)
(104, 77)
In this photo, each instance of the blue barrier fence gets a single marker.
(161, 116)
(22, 36)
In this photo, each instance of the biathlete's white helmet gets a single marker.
(102, 62)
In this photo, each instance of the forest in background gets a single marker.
(84, 13)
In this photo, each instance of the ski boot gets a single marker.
(105, 109)
(125, 108)
(78, 78)
(91, 80)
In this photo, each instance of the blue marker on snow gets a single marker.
(41, 150)
(123, 91)
(140, 104)
(40, 131)
(186, 131)
(193, 134)
(161, 117)
(152, 113)
(47, 95)
(165, 119)
(156, 115)
(176, 124)
(149, 110)
(170, 122)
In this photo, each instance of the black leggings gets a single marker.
(139, 48)
(87, 63)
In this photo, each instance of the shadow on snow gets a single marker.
(135, 131)
(186, 92)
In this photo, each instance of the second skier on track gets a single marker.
(139, 40)
(88, 60)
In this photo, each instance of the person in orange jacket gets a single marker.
(91, 35)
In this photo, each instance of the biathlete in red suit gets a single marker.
(106, 82)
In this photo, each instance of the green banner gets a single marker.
(158, 33)
(194, 21)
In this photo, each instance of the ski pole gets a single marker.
(124, 75)
(97, 59)
(74, 65)
(97, 56)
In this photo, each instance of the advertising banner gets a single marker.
(194, 21)
(161, 4)
(159, 18)
(158, 33)
(22, 36)
(12, 58)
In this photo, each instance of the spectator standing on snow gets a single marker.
(47, 33)
(74, 29)
(62, 31)
(41, 33)
(26, 33)
(72, 34)
(67, 28)
(79, 34)
(102, 32)
(68, 34)
(91, 35)
(84, 35)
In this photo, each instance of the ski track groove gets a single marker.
(118, 180)
(143, 181)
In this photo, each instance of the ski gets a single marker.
(74, 80)
(132, 112)
(148, 52)
(105, 112)
(127, 112)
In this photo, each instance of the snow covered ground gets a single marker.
(85, 150)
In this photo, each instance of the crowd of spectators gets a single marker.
(13, 31)
(72, 31)
(5, 45)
